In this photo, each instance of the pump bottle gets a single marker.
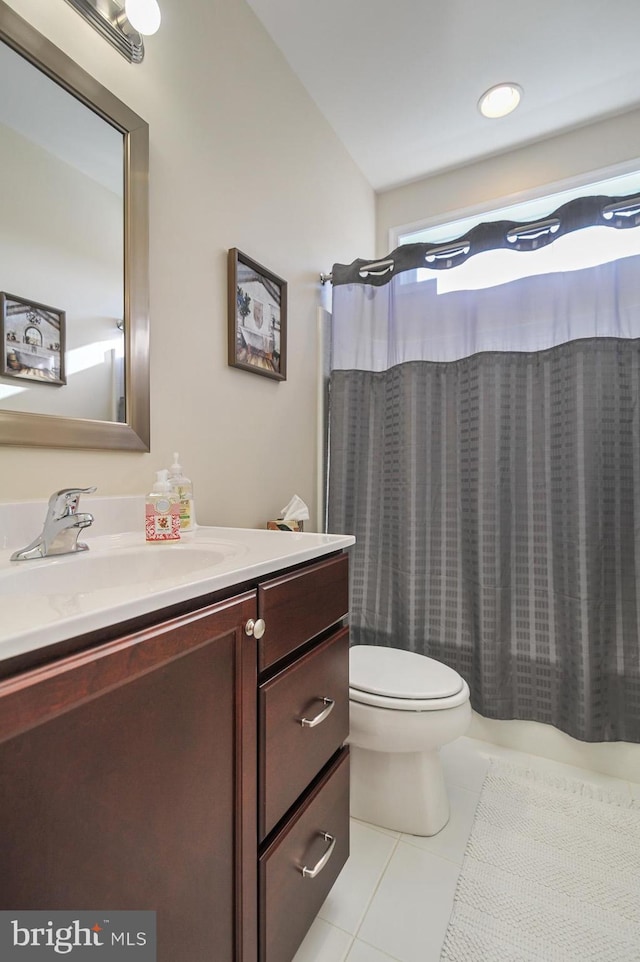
(162, 511)
(183, 489)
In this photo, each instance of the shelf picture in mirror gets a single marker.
(257, 318)
(33, 340)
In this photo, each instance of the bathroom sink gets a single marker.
(121, 577)
(90, 571)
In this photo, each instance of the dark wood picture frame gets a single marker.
(33, 340)
(257, 316)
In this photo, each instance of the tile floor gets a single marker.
(392, 901)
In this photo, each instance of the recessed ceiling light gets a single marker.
(500, 100)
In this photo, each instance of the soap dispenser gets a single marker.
(162, 511)
(183, 489)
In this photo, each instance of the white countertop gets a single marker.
(121, 576)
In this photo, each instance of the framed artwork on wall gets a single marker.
(257, 317)
(33, 338)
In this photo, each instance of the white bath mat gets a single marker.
(551, 873)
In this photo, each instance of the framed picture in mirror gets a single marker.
(33, 338)
(257, 319)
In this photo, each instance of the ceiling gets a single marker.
(399, 81)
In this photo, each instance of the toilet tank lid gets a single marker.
(400, 674)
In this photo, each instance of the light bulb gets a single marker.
(143, 15)
(500, 100)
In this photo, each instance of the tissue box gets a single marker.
(281, 525)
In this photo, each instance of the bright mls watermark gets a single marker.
(98, 936)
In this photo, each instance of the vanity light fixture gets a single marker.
(122, 22)
(500, 100)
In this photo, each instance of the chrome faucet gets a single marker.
(62, 526)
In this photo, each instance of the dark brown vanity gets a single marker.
(181, 764)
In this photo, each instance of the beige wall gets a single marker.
(240, 157)
(560, 160)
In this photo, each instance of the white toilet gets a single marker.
(403, 707)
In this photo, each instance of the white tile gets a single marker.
(354, 888)
(361, 952)
(324, 943)
(409, 913)
(489, 750)
(606, 782)
(378, 828)
(463, 764)
(451, 842)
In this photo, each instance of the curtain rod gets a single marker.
(590, 211)
(326, 278)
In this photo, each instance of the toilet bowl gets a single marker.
(403, 707)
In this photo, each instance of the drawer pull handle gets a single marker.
(312, 722)
(317, 868)
(255, 628)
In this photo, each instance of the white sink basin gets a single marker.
(121, 577)
(90, 571)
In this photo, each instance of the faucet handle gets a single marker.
(65, 502)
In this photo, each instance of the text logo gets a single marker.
(81, 936)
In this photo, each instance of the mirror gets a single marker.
(74, 330)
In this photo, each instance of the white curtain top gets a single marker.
(377, 327)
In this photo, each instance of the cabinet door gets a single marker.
(129, 782)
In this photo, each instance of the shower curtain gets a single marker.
(485, 451)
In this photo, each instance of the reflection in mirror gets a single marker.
(73, 253)
(61, 243)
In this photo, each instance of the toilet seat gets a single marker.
(403, 680)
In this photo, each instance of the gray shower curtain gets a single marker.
(495, 497)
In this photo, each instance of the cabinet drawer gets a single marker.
(297, 607)
(292, 753)
(290, 901)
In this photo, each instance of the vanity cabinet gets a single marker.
(128, 782)
(167, 768)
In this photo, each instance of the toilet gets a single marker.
(403, 707)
